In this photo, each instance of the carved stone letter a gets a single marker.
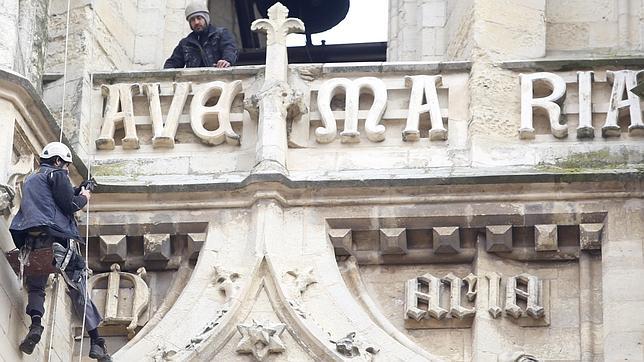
(118, 96)
(530, 295)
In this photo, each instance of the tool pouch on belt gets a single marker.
(37, 246)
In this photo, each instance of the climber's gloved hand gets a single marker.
(89, 184)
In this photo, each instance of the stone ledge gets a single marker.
(392, 178)
(175, 74)
(325, 68)
(395, 67)
(539, 65)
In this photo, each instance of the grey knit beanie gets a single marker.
(204, 14)
(198, 8)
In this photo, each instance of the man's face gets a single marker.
(197, 23)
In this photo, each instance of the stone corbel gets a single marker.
(292, 101)
(225, 282)
(10, 193)
(350, 346)
(7, 195)
(302, 279)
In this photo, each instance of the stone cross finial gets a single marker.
(277, 27)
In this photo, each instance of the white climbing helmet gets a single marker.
(57, 149)
(197, 6)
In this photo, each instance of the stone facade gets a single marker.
(475, 198)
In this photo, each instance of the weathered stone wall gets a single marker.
(9, 34)
(32, 30)
(598, 27)
(125, 35)
(439, 29)
(23, 37)
(429, 29)
(459, 29)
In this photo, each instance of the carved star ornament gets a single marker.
(260, 339)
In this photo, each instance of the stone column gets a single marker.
(493, 90)
(487, 338)
(622, 282)
(276, 97)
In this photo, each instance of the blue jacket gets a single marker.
(49, 202)
(204, 50)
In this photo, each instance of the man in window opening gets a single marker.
(206, 46)
(46, 220)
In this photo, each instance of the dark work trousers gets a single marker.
(36, 295)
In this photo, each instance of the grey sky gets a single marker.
(365, 22)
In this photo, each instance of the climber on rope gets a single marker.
(46, 220)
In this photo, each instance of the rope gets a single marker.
(53, 319)
(60, 138)
(82, 335)
(62, 111)
(89, 167)
(62, 127)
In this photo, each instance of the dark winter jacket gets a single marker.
(193, 53)
(48, 203)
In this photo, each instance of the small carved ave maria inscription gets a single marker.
(451, 301)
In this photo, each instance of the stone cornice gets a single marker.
(288, 192)
(433, 177)
(563, 64)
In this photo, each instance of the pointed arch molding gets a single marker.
(35, 122)
(265, 279)
(355, 283)
(217, 333)
(227, 282)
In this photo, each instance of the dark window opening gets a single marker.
(318, 16)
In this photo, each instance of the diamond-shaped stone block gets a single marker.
(545, 237)
(195, 243)
(590, 236)
(498, 238)
(157, 247)
(341, 240)
(393, 241)
(113, 248)
(447, 240)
